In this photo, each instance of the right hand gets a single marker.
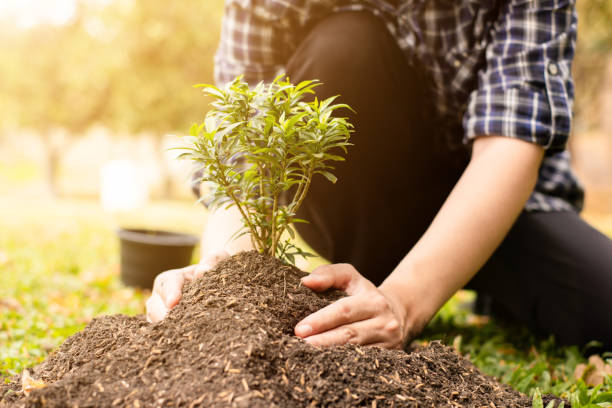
(168, 286)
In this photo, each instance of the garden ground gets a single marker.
(59, 269)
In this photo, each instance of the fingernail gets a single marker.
(172, 300)
(303, 330)
(310, 277)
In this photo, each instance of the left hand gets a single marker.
(168, 285)
(367, 316)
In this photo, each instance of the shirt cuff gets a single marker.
(526, 112)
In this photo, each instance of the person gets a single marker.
(459, 175)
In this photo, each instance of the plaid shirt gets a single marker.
(498, 67)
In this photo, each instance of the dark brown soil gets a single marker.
(230, 343)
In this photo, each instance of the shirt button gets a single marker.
(553, 69)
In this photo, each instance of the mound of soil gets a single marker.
(230, 343)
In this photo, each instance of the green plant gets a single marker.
(581, 397)
(259, 150)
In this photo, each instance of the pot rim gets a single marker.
(156, 237)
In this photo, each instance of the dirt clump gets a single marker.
(230, 343)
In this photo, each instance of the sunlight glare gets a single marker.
(28, 13)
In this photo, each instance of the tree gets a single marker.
(168, 47)
(129, 66)
(53, 83)
(594, 46)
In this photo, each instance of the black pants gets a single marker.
(553, 272)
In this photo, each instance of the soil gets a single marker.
(230, 343)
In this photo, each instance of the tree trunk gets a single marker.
(167, 184)
(52, 168)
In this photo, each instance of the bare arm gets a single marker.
(471, 224)
(221, 225)
(473, 221)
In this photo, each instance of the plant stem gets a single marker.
(305, 190)
(256, 240)
(274, 235)
(298, 193)
(264, 236)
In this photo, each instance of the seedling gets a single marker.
(259, 150)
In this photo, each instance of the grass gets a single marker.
(59, 269)
(512, 354)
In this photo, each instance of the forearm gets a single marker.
(471, 224)
(221, 225)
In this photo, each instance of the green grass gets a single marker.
(510, 353)
(59, 269)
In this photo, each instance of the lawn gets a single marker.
(59, 268)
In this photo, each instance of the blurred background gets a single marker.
(93, 92)
(92, 89)
(92, 95)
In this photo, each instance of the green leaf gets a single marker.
(603, 397)
(329, 176)
(210, 124)
(214, 91)
(575, 400)
(523, 384)
(291, 232)
(193, 130)
(537, 399)
(281, 142)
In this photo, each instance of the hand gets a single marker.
(367, 316)
(168, 286)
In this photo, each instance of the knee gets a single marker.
(345, 42)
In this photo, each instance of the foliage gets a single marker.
(161, 49)
(582, 397)
(50, 80)
(59, 269)
(124, 65)
(593, 51)
(595, 17)
(260, 148)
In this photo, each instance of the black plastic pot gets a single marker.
(146, 253)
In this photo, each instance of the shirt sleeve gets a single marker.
(525, 90)
(257, 36)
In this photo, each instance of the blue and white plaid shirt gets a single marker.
(498, 67)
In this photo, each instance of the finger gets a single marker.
(188, 272)
(169, 287)
(363, 332)
(217, 256)
(209, 262)
(379, 331)
(340, 276)
(340, 313)
(386, 334)
(386, 345)
(160, 280)
(156, 310)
